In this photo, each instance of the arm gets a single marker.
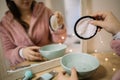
(10, 49)
(110, 23)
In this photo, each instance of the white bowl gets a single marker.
(85, 64)
(53, 51)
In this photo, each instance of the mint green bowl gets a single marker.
(53, 51)
(84, 63)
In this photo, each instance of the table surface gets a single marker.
(109, 64)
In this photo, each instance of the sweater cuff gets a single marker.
(21, 53)
(116, 36)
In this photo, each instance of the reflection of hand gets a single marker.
(31, 53)
(59, 18)
(73, 76)
(108, 21)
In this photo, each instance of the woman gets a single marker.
(25, 27)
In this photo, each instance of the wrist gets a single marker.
(21, 53)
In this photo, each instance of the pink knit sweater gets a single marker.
(14, 36)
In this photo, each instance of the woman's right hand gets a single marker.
(32, 53)
(107, 21)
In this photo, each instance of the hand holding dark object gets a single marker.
(84, 29)
(56, 21)
(59, 17)
(107, 21)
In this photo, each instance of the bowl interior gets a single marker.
(53, 51)
(82, 62)
(53, 47)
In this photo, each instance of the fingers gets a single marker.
(99, 29)
(97, 23)
(34, 53)
(101, 13)
(59, 17)
(57, 13)
(32, 58)
(34, 47)
(74, 73)
(31, 53)
(60, 74)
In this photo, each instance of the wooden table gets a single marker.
(109, 64)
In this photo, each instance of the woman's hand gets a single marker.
(59, 18)
(31, 53)
(107, 21)
(61, 75)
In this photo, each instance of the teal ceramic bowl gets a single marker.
(85, 64)
(53, 51)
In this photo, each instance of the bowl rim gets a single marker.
(82, 54)
(65, 46)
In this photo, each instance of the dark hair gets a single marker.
(16, 13)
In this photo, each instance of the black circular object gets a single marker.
(50, 23)
(83, 29)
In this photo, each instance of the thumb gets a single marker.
(74, 73)
(35, 47)
(97, 23)
(57, 13)
(60, 74)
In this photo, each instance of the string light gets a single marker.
(114, 69)
(73, 34)
(101, 41)
(70, 50)
(106, 59)
(60, 43)
(114, 54)
(96, 50)
(63, 37)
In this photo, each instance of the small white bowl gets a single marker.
(53, 51)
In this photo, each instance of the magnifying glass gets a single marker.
(83, 29)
